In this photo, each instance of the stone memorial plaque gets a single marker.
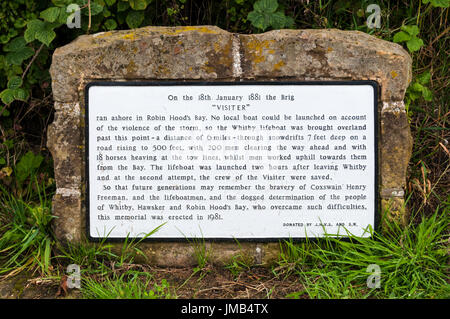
(259, 161)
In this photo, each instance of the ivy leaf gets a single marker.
(50, 14)
(7, 96)
(414, 44)
(134, 19)
(110, 2)
(15, 82)
(138, 4)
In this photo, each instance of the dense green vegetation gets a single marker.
(414, 260)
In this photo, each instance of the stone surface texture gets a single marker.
(207, 53)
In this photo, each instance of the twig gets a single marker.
(24, 73)
(32, 60)
(439, 36)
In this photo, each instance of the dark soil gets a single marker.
(212, 282)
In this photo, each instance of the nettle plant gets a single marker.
(268, 13)
(409, 34)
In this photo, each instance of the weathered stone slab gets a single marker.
(208, 53)
(327, 55)
(163, 53)
(65, 142)
(396, 145)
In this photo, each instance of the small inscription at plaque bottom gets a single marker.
(259, 161)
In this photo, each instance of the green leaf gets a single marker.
(290, 22)
(110, 2)
(2, 161)
(21, 94)
(15, 45)
(414, 44)
(438, 3)
(425, 77)
(20, 23)
(110, 24)
(412, 30)
(401, 36)
(427, 94)
(17, 57)
(63, 15)
(277, 20)
(41, 31)
(9, 144)
(134, 19)
(15, 82)
(138, 4)
(32, 27)
(50, 14)
(106, 12)
(46, 35)
(257, 20)
(417, 87)
(122, 6)
(4, 38)
(27, 166)
(7, 96)
(266, 6)
(96, 9)
(61, 3)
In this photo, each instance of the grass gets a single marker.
(132, 285)
(26, 239)
(413, 263)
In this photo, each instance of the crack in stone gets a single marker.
(237, 70)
